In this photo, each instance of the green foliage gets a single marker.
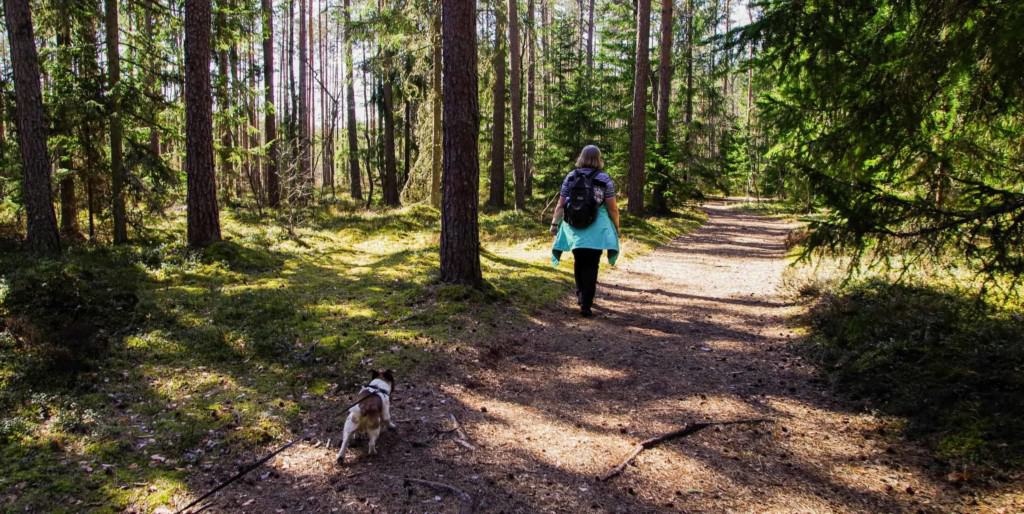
(904, 119)
(951, 364)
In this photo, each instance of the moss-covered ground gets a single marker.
(125, 369)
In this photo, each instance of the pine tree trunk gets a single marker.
(355, 177)
(227, 171)
(688, 114)
(407, 140)
(203, 215)
(305, 177)
(497, 187)
(515, 48)
(36, 194)
(154, 85)
(637, 149)
(545, 56)
(590, 39)
(531, 96)
(659, 201)
(90, 133)
(68, 198)
(273, 177)
(117, 175)
(725, 56)
(436, 136)
(390, 179)
(460, 238)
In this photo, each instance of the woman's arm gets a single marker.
(556, 220)
(613, 212)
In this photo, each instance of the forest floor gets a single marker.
(525, 418)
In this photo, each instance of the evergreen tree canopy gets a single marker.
(905, 118)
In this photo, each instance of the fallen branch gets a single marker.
(240, 474)
(688, 429)
(460, 435)
(469, 504)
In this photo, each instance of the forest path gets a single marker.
(695, 331)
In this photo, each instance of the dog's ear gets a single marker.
(389, 376)
(374, 374)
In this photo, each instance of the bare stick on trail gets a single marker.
(688, 429)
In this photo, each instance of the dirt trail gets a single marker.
(695, 331)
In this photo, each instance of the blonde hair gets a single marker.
(590, 157)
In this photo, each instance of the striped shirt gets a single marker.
(608, 191)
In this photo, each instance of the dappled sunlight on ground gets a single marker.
(539, 408)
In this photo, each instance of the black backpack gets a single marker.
(581, 205)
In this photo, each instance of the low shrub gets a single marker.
(950, 363)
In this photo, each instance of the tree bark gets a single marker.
(436, 135)
(590, 39)
(659, 201)
(203, 214)
(390, 179)
(688, 113)
(227, 171)
(638, 127)
(725, 56)
(407, 141)
(497, 187)
(35, 159)
(153, 86)
(117, 175)
(460, 238)
(273, 177)
(305, 165)
(69, 228)
(514, 47)
(531, 95)
(355, 177)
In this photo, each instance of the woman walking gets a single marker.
(586, 222)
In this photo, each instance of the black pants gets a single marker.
(586, 262)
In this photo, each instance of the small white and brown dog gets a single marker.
(370, 412)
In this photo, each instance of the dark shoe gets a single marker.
(586, 312)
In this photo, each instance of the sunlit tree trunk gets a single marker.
(227, 171)
(153, 85)
(436, 132)
(305, 176)
(639, 120)
(516, 91)
(390, 179)
(203, 214)
(355, 177)
(35, 159)
(660, 204)
(531, 96)
(497, 187)
(270, 118)
(460, 238)
(590, 38)
(688, 112)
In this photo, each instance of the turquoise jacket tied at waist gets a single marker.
(600, 235)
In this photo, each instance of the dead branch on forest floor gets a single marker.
(688, 429)
(469, 504)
